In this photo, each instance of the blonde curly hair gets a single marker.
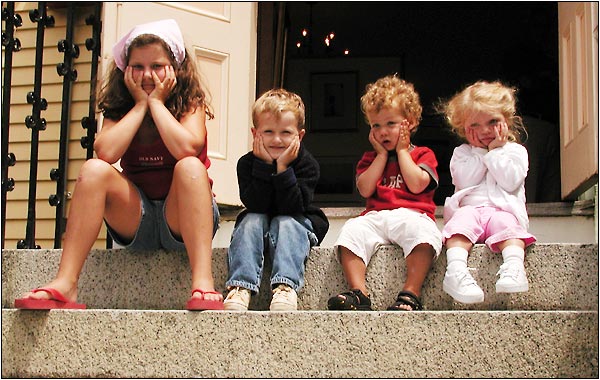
(482, 96)
(393, 93)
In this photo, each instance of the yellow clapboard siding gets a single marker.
(18, 112)
(47, 150)
(20, 172)
(80, 91)
(44, 188)
(44, 231)
(18, 208)
(24, 75)
(20, 135)
(27, 34)
(49, 244)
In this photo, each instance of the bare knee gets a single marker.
(94, 172)
(190, 168)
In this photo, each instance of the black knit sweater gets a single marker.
(291, 192)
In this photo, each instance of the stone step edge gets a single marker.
(550, 209)
(550, 270)
(120, 343)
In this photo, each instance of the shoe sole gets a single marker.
(512, 289)
(282, 307)
(234, 307)
(461, 297)
(337, 304)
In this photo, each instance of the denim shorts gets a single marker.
(153, 232)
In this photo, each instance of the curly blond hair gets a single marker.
(278, 101)
(482, 96)
(393, 93)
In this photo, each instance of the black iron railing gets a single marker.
(10, 44)
(35, 122)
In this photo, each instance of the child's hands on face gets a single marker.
(134, 85)
(403, 137)
(163, 88)
(290, 154)
(501, 132)
(259, 150)
(379, 149)
(472, 138)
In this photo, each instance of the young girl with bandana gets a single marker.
(154, 112)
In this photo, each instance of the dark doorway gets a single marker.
(438, 46)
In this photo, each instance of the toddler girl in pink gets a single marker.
(488, 205)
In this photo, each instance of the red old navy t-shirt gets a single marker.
(150, 167)
(391, 191)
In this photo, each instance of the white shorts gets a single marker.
(404, 227)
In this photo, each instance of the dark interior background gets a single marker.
(443, 47)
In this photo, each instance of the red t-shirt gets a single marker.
(150, 167)
(391, 191)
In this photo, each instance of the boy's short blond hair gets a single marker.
(393, 93)
(278, 101)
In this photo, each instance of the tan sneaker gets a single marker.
(238, 299)
(284, 299)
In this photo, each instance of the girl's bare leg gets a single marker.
(101, 191)
(189, 214)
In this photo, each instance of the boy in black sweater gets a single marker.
(277, 180)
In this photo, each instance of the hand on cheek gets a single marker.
(501, 133)
(403, 137)
(133, 82)
(259, 150)
(376, 145)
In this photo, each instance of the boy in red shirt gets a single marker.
(398, 180)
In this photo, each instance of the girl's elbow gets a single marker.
(106, 156)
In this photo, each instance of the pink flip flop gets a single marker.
(199, 304)
(58, 302)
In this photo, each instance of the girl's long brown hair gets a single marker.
(115, 100)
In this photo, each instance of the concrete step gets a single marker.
(555, 222)
(303, 344)
(561, 277)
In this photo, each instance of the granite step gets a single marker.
(561, 277)
(303, 344)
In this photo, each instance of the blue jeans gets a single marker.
(247, 250)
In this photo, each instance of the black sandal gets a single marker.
(406, 298)
(351, 300)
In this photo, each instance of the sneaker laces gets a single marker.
(236, 293)
(465, 278)
(282, 288)
(509, 270)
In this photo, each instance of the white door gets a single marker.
(222, 37)
(578, 62)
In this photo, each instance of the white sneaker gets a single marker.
(238, 299)
(284, 299)
(462, 287)
(512, 278)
